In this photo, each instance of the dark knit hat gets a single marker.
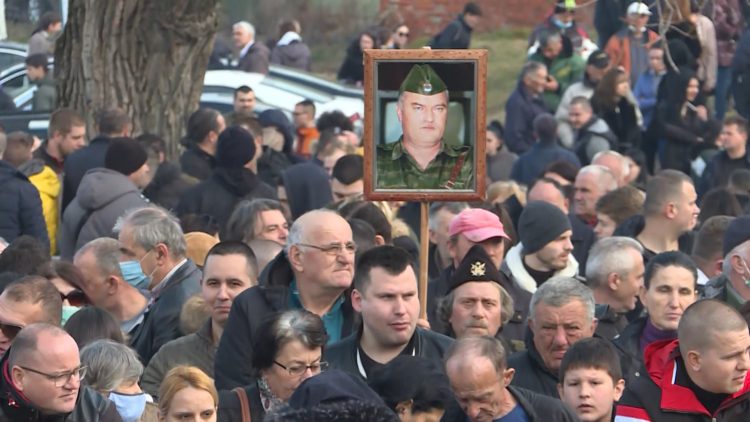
(599, 59)
(125, 155)
(235, 148)
(737, 233)
(476, 266)
(539, 224)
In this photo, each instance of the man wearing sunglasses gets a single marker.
(313, 273)
(27, 301)
(41, 380)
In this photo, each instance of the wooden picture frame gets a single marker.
(462, 132)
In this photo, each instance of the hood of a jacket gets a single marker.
(598, 126)
(514, 262)
(307, 187)
(166, 173)
(101, 186)
(659, 359)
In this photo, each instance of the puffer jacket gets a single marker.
(47, 182)
(20, 206)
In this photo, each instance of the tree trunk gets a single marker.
(146, 56)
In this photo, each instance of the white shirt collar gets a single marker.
(245, 48)
(158, 287)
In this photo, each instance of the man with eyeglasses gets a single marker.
(385, 295)
(27, 301)
(41, 380)
(312, 273)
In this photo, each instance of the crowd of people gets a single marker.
(603, 278)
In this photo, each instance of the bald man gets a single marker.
(616, 163)
(703, 375)
(313, 272)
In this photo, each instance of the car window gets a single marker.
(8, 59)
(16, 84)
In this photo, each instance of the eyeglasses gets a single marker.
(298, 370)
(10, 331)
(75, 298)
(402, 34)
(334, 249)
(60, 379)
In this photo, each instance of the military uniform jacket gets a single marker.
(451, 169)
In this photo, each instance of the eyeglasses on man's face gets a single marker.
(334, 249)
(61, 378)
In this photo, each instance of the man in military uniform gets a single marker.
(421, 159)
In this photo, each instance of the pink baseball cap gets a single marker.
(477, 225)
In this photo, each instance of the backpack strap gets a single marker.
(244, 404)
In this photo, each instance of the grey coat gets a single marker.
(295, 54)
(103, 196)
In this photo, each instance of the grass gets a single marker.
(507, 53)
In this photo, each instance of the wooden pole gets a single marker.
(424, 246)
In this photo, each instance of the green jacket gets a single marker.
(45, 97)
(566, 69)
(396, 169)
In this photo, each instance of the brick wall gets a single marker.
(428, 17)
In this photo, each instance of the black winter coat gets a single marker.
(531, 373)
(168, 185)
(20, 206)
(161, 323)
(623, 122)
(234, 355)
(230, 409)
(538, 407)
(427, 344)
(79, 163)
(456, 35)
(718, 170)
(197, 163)
(628, 346)
(219, 194)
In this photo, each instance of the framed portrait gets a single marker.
(425, 113)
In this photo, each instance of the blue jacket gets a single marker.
(20, 206)
(530, 165)
(645, 93)
(520, 111)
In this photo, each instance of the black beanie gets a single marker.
(125, 155)
(539, 224)
(235, 148)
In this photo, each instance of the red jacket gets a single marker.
(658, 398)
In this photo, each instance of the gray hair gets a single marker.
(452, 207)
(625, 167)
(610, 255)
(559, 291)
(531, 67)
(445, 308)
(469, 348)
(726, 265)
(154, 225)
(241, 224)
(110, 364)
(297, 231)
(107, 253)
(605, 178)
(247, 26)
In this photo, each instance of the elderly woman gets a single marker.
(187, 394)
(288, 349)
(113, 369)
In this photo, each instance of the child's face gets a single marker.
(590, 392)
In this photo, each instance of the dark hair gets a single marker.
(18, 148)
(153, 144)
(328, 141)
(287, 26)
(68, 272)
(662, 189)
(372, 214)
(563, 168)
(669, 259)
(497, 128)
(278, 329)
(719, 201)
(412, 378)
(309, 106)
(621, 203)
(200, 124)
(234, 247)
(241, 224)
(25, 255)
(90, 324)
(35, 289)
(203, 223)
(62, 120)
(472, 8)
(242, 89)
(332, 120)
(390, 258)
(37, 60)
(363, 235)
(605, 94)
(594, 353)
(46, 20)
(113, 120)
(340, 411)
(348, 169)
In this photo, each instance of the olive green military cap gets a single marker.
(422, 79)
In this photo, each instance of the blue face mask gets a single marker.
(67, 312)
(560, 24)
(129, 406)
(133, 274)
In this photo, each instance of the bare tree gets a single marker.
(145, 56)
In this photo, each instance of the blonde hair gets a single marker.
(499, 192)
(180, 378)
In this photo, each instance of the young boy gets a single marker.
(591, 379)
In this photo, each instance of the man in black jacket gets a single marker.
(110, 123)
(154, 237)
(480, 379)
(733, 156)
(562, 312)
(313, 272)
(41, 380)
(385, 294)
(458, 33)
(20, 205)
(702, 375)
